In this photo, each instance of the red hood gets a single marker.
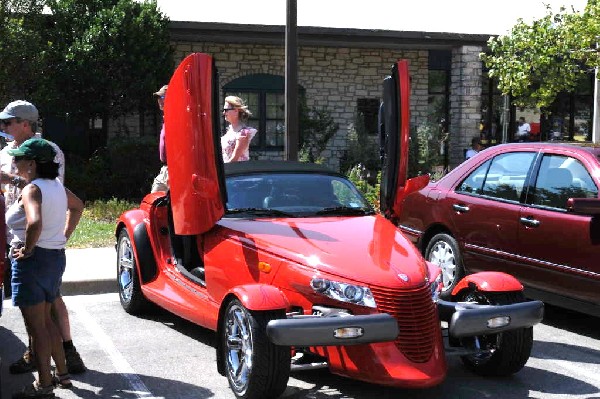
(367, 249)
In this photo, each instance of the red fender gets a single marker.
(490, 282)
(260, 297)
(130, 219)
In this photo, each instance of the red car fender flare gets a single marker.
(135, 222)
(260, 297)
(489, 282)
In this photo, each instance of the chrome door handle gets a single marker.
(460, 208)
(530, 222)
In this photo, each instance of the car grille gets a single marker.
(417, 319)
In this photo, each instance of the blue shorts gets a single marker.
(37, 279)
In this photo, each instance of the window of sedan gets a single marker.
(560, 178)
(503, 177)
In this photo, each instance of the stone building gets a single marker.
(341, 71)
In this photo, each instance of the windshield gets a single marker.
(293, 195)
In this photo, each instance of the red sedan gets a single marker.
(293, 269)
(528, 209)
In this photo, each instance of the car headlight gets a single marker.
(344, 292)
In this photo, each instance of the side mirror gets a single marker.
(584, 206)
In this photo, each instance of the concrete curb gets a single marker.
(90, 271)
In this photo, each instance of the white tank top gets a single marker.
(54, 213)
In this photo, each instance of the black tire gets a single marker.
(443, 250)
(255, 367)
(128, 279)
(504, 353)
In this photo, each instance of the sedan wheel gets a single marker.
(255, 367)
(443, 251)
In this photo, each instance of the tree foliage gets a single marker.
(21, 47)
(90, 58)
(537, 61)
(107, 54)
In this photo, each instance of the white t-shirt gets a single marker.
(470, 153)
(524, 129)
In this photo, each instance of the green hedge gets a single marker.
(123, 170)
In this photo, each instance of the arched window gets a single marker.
(265, 96)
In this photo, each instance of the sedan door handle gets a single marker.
(530, 222)
(460, 208)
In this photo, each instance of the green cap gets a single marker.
(36, 149)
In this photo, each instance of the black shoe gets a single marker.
(74, 363)
(26, 364)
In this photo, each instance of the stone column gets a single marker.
(465, 100)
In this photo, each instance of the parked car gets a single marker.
(293, 269)
(528, 209)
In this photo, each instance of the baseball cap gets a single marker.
(162, 91)
(20, 109)
(37, 149)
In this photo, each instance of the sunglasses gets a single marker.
(8, 122)
(228, 109)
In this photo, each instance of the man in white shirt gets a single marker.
(475, 148)
(523, 130)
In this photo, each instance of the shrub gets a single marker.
(124, 170)
(362, 149)
(358, 176)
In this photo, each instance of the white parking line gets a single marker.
(121, 365)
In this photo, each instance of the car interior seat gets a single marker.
(554, 187)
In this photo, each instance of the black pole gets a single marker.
(291, 82)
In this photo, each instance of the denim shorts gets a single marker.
(37, 279)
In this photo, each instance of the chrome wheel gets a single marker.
(443, 251)
(238, 340)
(125, 268)
(442, 255)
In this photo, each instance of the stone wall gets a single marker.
(336, 77)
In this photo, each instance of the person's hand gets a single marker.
(21, 253)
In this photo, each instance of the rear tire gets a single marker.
(255, 367)
(504, 353)
(443, 250)
(130, 291)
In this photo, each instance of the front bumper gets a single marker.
(467, 319)
(320, 331)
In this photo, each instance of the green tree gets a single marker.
(317, 127)
(104, 57)
(21, 48)
(537, 61)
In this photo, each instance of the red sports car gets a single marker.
(293, 269)
(528, 209)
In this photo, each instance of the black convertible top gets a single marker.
(235, 168)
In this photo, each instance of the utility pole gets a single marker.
(596, 121)
(291, 82)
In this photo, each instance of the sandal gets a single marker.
(62, 381)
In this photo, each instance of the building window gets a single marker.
(492, 109)
(439, 87)
(368, 109)
(265, 96)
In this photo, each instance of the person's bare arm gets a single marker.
(32, 203)
(241, 145)
(74, 211)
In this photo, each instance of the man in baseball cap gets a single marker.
(20, 109)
